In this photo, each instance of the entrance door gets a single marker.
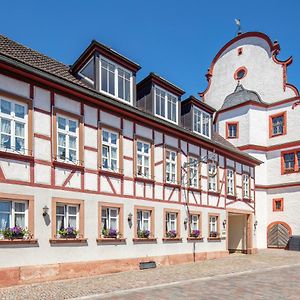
(237, 233)
(278, 236)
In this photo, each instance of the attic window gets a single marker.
(87, 72)
(240, 73)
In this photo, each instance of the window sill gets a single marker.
(190, 238)
(68, 241)
(217, 239)
(18, 242)
(144, 240)
(146, 180)
(172, 185)
(111, 240)
(276, 135)
(110, 173)
(289, 171)
(176, 239)
(16, 156)
(67, 165)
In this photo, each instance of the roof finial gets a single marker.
(239, 27)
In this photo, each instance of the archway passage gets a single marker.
(278, 235)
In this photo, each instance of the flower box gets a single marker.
(143, 234)
(111, 233)
(16, 232)
(195, 233)
(213, 234)
(68, 233)
(171, 234)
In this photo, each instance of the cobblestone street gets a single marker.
(270, 274)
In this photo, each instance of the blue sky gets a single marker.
(176, 39)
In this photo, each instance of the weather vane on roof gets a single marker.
(238, 24)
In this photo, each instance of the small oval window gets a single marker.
(240, 73)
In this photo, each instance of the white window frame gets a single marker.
(201, 114)
(107, 219)
(194, 222)
(109, 146)
(230, 188)
(83, 76)
(13, 120)
(116, 75)
(66, 215)
(212, 177)
(213, 224)
(143, 155)
(141, 219)
(230, 131)
(167, 94)
(193, 169)
(12, 212)
(169, 221)
(246, 186)
(170, 163)
(68, 134)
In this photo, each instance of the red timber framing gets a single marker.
(76, 93)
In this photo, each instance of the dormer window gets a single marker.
(166, 105)
(115, 80)
(202, 122)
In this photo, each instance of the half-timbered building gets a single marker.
(98, 173)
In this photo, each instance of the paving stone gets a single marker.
(266, 285)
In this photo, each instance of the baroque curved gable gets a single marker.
(256, 54)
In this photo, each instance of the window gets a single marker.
(232, 130)
(171, 225)
(67, 216)
(289, 162)
(194, 225)
(115, 80)
(193, 172)
(213, 226)
(166, 105)
(194, 222)
(212, 177)
(143, 159)
(171, 157)
(246, 186)
(109, 150)
(87, 72)
(67, 137)
(240, 73)
(13, 126)
(13, 213)
(202, 122)
(230, 182)
(277, 124)
(278, 204)
(111, 220)
(143, 220)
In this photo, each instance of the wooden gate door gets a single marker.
(278, 236)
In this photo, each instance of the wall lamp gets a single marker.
(45, 210)
(129, 218)
(224, 224)
(255, 225)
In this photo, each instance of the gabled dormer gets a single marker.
(159, 97)
(108, 72)
(197, 116)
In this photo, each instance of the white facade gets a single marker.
(266, 76)
(41, 179)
